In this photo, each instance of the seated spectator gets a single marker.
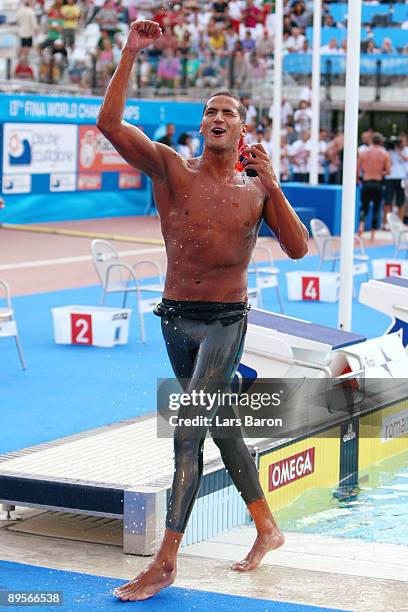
(209, 73)
(104, 36)
(299, 153)
(117, 49)
(371, 48)
(302, 117)
(105, 60)
(300, 16)
(71, 14)
(252, 15)
(193, 64)
(77, 73)
(169, 69)
(167, 40)
(107, 17)
(240, 69)
(231, 38)
(257, 69)
(251, 112)
(295, 42)
(334, 155)
(23, 70)
(180, 27)
(161, 15)
(220, 11)
(264, 47)
(260, 139)
(122, 12)
(248, 44)
(59, 56)
(217, 40)
(184, 45)
(330, 49)
(306, 92)
(286, 111)
(145, 71)
(184, 146)
(285, 159)
(290, 133)
(387, 47)
(288, 24)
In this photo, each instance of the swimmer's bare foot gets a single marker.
(264, 543)
(160, 574)
(157, 576)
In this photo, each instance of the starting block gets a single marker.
(383, 268)
(390, 296)
(313, 286)
(91, 325)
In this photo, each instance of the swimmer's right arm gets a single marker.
(134, 146)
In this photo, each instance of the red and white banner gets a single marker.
(292, 468)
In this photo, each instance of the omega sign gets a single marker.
(292, 468)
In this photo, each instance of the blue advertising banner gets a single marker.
(49, 109)
(56, 165)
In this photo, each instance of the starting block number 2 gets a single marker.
(81, 328)
(310, 288)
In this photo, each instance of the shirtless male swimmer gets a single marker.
(210, 216)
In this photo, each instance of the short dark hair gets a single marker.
(183, 138)
(228, 94)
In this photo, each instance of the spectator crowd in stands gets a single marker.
(205, 44)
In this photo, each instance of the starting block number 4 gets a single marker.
(81, 328)
(311, 288)
(393, 269)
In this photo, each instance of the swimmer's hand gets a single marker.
(261, 163)
(142, 34)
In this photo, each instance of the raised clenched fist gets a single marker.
(142, 34)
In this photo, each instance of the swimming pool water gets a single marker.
(377, 514)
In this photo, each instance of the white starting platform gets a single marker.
(390, 296)
(383, 268)
(91, 325)
(313, 286)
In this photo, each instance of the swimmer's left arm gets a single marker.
(278, 213)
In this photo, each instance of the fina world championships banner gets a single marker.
(52, 145)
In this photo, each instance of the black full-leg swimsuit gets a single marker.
(204, 341)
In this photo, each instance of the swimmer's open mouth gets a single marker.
(217, 131)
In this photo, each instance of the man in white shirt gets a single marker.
(27, 26)
(331, 49)
(286, 111)
(299, 154)
(295, 42)
(251, 112)
(302, 117)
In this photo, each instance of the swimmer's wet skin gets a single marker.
(210, 219)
